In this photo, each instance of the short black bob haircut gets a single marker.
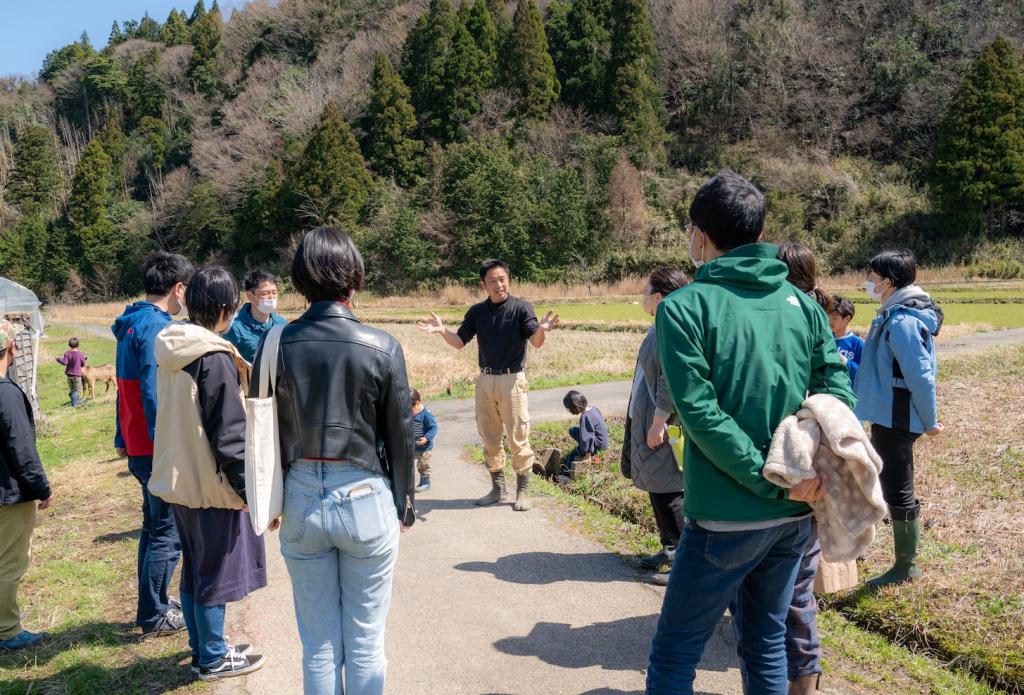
(730, 210)
(575, 402)
(257, 277)
(899, 266)
(327, 266)
(163, 271)
(490, 264)
(211, 294)
(73, 343)
(843, 306)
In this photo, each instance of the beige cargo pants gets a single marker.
(501, 406)
(16, 524)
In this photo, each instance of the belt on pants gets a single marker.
(488, 370)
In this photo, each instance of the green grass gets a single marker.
(464, 388)
(874, 663)
(997, 315)
(605, 506)
(611, 311)
(71, 435)
(80, 586)
(626, 315)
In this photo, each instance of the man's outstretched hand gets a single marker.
(550, 322)
(432, 325)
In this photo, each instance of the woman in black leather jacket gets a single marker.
(345, 420)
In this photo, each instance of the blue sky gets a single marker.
(29, 29)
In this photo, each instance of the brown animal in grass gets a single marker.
(103, 374)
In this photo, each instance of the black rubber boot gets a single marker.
(498, 492)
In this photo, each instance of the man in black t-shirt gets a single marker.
(502, 325)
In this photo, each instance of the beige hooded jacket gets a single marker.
(185, 469)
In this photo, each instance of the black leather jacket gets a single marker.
(343, 393)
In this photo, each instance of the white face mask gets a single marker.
(696, 263)
(267, 306)
(872, 291)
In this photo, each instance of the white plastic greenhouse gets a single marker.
(20, 305)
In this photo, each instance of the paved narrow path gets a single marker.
(501, 602)
(489, 600)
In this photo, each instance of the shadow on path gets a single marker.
(620, 645)
(548, 568)
(426, 505)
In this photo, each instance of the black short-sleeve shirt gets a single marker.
(502, 331)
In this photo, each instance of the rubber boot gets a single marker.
(522, 492)
(498, 492)
(906, 535)
(805, 685)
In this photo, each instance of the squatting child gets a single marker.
(591, 434)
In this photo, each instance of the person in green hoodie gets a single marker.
(741, 348)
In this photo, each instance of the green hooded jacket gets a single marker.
(741, 349)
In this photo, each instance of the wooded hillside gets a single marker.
(567, 137)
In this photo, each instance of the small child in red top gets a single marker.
(73, 361)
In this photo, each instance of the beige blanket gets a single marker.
(826, 436)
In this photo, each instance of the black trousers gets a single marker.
(896, 447)
(668, 515)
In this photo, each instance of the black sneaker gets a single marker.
(241, 649)
(170, 623)
(656, 561)
(232, 664)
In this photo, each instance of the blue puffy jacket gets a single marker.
(896, 381)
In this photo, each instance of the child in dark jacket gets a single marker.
(424, 429)
(591, 435)
(73, 361)
(23, 483)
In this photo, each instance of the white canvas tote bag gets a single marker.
(264, 479)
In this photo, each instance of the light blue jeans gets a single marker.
(205, 630)
(339, 539)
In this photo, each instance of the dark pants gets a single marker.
(896, 447)
(159, 548)
(668, 515)
(757, 569)
(569, 462)
(803, 646)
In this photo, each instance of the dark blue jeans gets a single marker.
(711, 568)
(205, 630)
(159, 547)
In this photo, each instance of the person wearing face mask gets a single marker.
(199, 471)
(647, 459)
(257, 316)
(164, 277)
(741, 348)
(896, 394)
